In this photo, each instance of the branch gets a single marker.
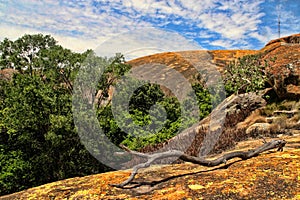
(279, 144)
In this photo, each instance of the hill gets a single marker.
(285, 51)
(271, 175)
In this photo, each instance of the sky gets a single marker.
(141, 27)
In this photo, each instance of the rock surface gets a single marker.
(286, 67)
(270, 176)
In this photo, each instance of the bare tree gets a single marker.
(279, 144)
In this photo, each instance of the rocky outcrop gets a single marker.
(273, 175)
(291, 39)
(185, 61)
(282, 55)
(221, 58)
(285, 119)
(285, 69)
(262, 129)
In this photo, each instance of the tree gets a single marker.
(37, 126)
(38, 140)
(20, 54)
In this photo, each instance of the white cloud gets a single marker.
(236, 22)
(223, 43)
(232, 20)
(82, 24)
(145, 41)
(73, 43)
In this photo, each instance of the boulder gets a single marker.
(261, 129)
(283, 57)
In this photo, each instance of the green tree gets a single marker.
(20, 54)
(38, 139)
(37, 126)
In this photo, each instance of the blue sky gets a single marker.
(140, 27)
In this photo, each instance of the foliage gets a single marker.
(21, 54)
(38, 139)
(206, 99)
(38, 126)
(247, 74)
(149, 94)
(14, 171)
(156, 128)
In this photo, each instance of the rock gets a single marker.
(261, 129)
(272, 119)
(255, 117)
(293, 90)
(255, 178)
(288, 113)
(291, 39)
(285, 68)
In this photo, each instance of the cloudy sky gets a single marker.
(140, 27)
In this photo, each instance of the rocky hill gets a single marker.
(285, 67)
(271, 175)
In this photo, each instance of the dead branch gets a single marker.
(279, 144)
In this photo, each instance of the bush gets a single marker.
(247, 74)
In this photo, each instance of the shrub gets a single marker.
(247, 74)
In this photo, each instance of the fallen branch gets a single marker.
(279, 144)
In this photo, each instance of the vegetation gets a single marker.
(39, 142)
(38, 139)
(247, 74)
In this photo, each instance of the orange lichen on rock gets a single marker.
(223, 57)
(271, 175)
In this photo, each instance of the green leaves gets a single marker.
(14, 171)
(38, 139)
(21, 54)
(248, 74)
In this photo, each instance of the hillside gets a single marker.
(282, 53)
(271, 175)
(179, 60)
